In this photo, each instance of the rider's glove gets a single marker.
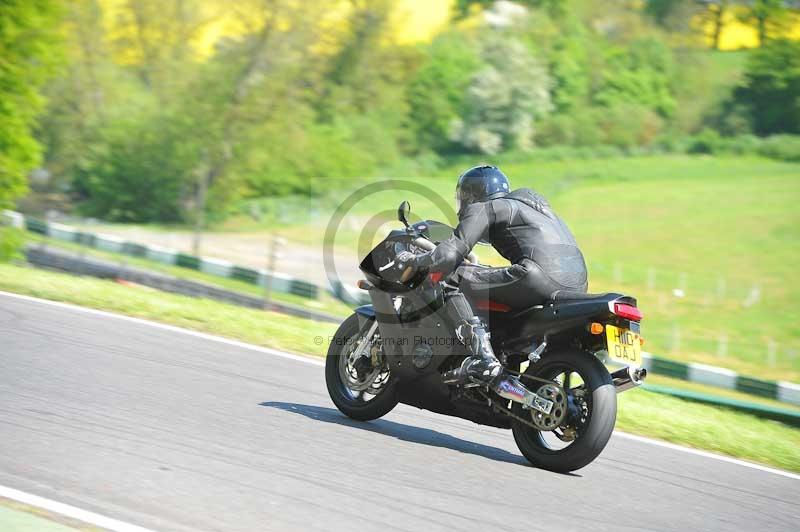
(405, 259)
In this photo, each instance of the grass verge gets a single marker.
(269, 329)
(640, 412)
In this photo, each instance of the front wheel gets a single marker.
(361, 387)
(572, 437)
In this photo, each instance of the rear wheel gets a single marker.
(361, 387)
(582, 420)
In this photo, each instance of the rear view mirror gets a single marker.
(402, 212)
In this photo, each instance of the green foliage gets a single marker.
(707, 141)
(781, 147)
(437, 92)
(778, 147)
(570, 65)
(771, 88)
(11, 241)
(137, 175)
(770, 18)
(639, 73)
(28, 53)
(626, 125)
(504, 99)
(556, 7)
(139, 127)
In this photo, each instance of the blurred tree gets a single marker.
(28, 55)
(771, 88)
(770, 18)
(553, 7)
(639, 74)
(81, 98)
(437, 93)
(686, 20)
(137, 174)
(154, 36)
(504, 98)
(364, 82)
(715, 14)
(571, 65)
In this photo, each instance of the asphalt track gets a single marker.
(174, 431)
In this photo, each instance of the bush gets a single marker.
(11, 240)
(505, 99)
(639, 74)
(707, 141)
(771, 90)
(578, 127)
(437, 92)
(626, 125)
(781, 147)
(137, 176)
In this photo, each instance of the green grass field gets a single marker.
(640, 412)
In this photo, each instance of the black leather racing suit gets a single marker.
(544, 261)
(522, 227)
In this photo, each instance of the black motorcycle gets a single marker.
(557, 396)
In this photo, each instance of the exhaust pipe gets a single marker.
(628, 377)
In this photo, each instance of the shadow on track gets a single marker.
(400, 431)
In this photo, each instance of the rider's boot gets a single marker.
(482, 365)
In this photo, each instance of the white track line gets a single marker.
(316, 362)
(66, 510)
(706, 454)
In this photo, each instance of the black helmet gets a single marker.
(481, 183)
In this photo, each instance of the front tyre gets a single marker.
(361, 387)
(581, 434)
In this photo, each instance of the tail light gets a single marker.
(629, 312)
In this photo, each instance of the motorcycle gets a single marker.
(557, 396)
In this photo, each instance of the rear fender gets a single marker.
(560, 321)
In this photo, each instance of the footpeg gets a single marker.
(536, 354)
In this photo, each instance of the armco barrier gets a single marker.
(86, 239)
(162, 255)
(35, 226)
(220, 268)
(303, 289)
(712, 376)
(247, 275)
(61, 232)
(670, 368)
(785, 415)
(753, 386)
(109, 243)
(61, 260)
(134, 250)
(278, 282)
(187, 261)
(789, 392)
(14, 219)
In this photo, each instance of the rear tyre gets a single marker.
(359, 393)
(593, 413)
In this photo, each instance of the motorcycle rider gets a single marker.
(521, 226)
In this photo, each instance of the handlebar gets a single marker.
(427, 245)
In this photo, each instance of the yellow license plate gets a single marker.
(624, 346)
